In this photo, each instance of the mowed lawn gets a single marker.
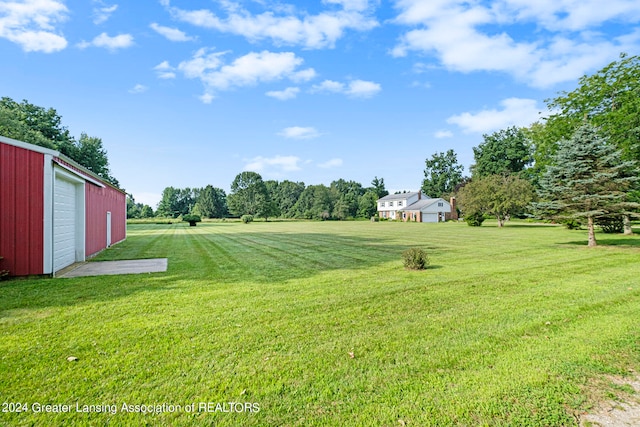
(319, 324)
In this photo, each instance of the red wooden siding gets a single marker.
(21, 210)
(99, 201)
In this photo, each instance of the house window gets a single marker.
(440, 204)
(390, 204)
(400, 203)
(382, 204)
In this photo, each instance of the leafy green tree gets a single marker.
(587, 180)
(367, 205)
(609, 99)
(315, 202)
(212, 202)
(287, 194)
(442, 174)
(499, 195)
(91, 154)
(36, 125)
(503, 152)
(133, 209)
(248, 194)
(168, 206)
(378, 187)
(345, 195)
(146, 212)
(46, 122)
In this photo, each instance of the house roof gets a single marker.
(422, 203)
(399, 196)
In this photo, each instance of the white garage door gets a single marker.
(64, 223)
(429, 217)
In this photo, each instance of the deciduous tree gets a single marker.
(248, 194)
(503, 152)
(497, 195)
(442, 174)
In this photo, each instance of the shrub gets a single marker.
(611, 224)
(192, 219)
(415, 259)
(572, 224)
(474, 219)
(247, 218)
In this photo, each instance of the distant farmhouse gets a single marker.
(416, 206)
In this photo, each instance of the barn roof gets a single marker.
(61, 160)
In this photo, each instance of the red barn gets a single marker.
(53, 212)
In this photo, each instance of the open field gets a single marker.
(318, 323)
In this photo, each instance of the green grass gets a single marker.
(319, 324)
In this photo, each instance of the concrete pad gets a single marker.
(102, 268)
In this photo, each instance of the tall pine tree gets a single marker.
(587, 180)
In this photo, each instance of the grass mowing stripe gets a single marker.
(270, 312)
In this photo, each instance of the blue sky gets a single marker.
(189, 93)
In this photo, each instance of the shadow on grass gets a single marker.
(617, 241)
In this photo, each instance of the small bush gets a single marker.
(192, 219)
(247, 218)
(415, 259)
(474, 219)
(572, 224)
(611, 224)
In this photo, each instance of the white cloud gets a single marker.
(283, 95)
(273, 166)
(441, 134)
(169, 33)
(121, 41)
(475, 36)
(515, 112)
(102, 14)
(206, 98)
(165, 71)
(248, 70)
(311, 31)
(329, 86)
(355, 88)
(333, 163)
(297, 132)
(363, 89)
(32, 24)
(138, 89)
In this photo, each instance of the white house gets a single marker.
(415, 206)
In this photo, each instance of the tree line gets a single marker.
(579, 166)
(251, 195)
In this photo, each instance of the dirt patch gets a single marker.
(617, 413)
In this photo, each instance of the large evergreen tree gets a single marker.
(588, 179)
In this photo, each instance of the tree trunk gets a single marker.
(592, 234)
(500, 221)
(627, 225)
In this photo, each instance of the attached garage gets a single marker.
(430, 217)
(427, 210)
(53, 212)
